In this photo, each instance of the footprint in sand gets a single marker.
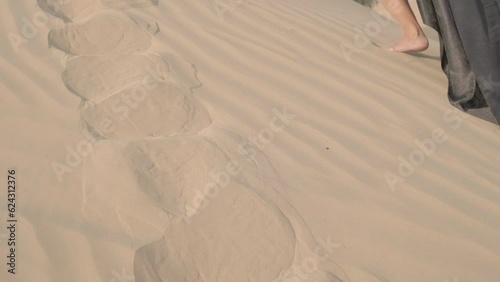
(107, 33)
(69, 10)
(235, 227)
(205, 228)
(96, 78)
(147, 100)
(173, 172)
(140, 113)
(126, 4)
(237, 237)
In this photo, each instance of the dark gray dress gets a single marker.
(470, 50)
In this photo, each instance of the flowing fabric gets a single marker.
(470, 50)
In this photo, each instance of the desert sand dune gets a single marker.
(105, 33)
(265, 141)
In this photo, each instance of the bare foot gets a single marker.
(416, 43)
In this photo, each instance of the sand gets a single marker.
(192, 140)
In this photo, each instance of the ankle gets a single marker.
(413, 32)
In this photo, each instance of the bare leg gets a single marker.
(414, 39)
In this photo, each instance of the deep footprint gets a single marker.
(96, 78)
(139, 113)
(69, 10)
(107, 33)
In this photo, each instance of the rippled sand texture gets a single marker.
(242, 233)
(186, 140)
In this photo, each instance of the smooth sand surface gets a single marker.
(214, 141)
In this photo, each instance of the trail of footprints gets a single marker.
(141, 107)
